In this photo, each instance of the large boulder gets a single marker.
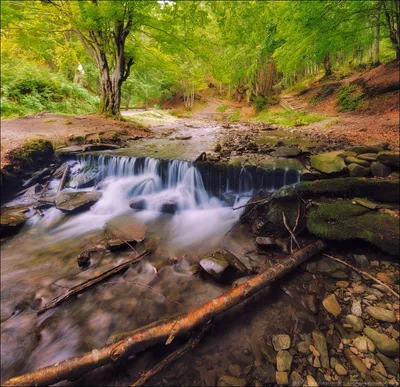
(285, 151)
(380, 190)
(328, 163)
(73, 202)
(389, 158)
(355, 160)
(343, 220)
(83, 180)
(123, 230)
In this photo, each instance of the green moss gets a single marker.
(348, 98)
(288, 118)
(380, 190)
(343, 221)
(328, 162)
(340, 210)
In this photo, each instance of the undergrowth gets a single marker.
(288, 118)
(349, 99)
(27, 88)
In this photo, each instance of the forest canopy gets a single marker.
(72, 57)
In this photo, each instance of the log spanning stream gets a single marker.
(187, 210)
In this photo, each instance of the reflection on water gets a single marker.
(40, 263)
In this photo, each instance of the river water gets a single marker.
(40, 263)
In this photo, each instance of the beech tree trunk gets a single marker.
(327, 65)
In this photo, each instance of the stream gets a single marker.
(40, 263)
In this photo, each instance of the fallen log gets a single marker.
(64, 178)
(165, 331)
(91, 282)
(191, 343)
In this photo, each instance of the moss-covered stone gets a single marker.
(380, 190)
(343, 221)
(329, 163)
(356, 170)
(390, 158)
(33, 153)
(355, 160)
(380, 170)
(359, 149)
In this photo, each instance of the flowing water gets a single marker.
(40, 263)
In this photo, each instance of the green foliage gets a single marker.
(348, 98)
(234, 117)
(261, 103)
(28, 88)
(222, 108)
(289, 118)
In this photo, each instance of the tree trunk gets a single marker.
(327, 65)
(377, 33)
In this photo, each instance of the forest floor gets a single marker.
(58, 128)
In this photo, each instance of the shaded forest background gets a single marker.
(81, 57)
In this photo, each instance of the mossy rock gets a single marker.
(380, 190)
(390, 158)
(356, 170)
(32, 154)
(328, 163)
(355, 160)
(359, 149)
(268, 219)
(343, 220)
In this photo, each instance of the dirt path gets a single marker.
(210, 110)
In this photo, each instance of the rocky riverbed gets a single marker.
(324, 324)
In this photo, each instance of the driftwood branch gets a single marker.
(91, 282)
(289, 230)
(63, 179)
(148, 375)
(263, 201)
(166, 330)
(364, 274)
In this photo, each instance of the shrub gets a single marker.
(261, 103)
(27, 88)
(348, 98)
(222, 108)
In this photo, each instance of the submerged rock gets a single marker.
(223, 266)
(281, 342)
(265, 242)
(331, 304)
(123, 229)
(73, 202)
(230, 381)
(12, 219)
(284, 151)
(169, 207)
(381, 314)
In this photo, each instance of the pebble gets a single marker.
(381, 369)
(370, 297)
(381, 288)
(395, 334)
(375, 263)
(280, 342)
(295, 379)
(283, 360)
(389, 364)
(227, 380)
(386, 345)
(340, 370)
(356, 322)
(311, 381)
(361, 344)
(378, 377)
(354, 350)
(356, 308)
(361, 260)
(388, 278)
(381, 314)
(303, 348)
(342, 284)
(358, 289)
(332, 306)
(321, 346)
(317, 362)
(282, 378)
(355, 361)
